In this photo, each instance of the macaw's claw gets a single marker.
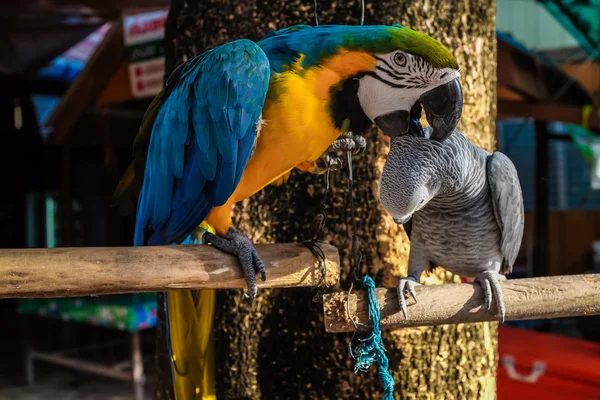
(406, 285)
(360, 142)
(354, 143)
(328, 161)
(236, 243)
(489, 281)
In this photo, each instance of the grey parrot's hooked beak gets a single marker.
(402, 221)
(443, 109)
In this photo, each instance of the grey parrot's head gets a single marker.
(411, 176)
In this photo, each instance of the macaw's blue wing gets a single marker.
(201, 140)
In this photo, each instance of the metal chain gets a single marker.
(317, 227)
(356, 253)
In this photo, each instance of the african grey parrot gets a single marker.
(462, 207)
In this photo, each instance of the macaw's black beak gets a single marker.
(394, 124)
(443, 109)
(401, 122)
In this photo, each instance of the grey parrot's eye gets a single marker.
(400, 59)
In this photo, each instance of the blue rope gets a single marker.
(371, 349)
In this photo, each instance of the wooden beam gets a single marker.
(82, 365)
(66, 272)
(520, 71)
(547, 112)
(587, 74)
(88, 84)
(505, 93)
(533, 298)
(118, 89)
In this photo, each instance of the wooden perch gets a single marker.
(66, 272)
(534, 298)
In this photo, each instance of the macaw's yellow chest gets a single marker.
(297, 124)
(297, 113)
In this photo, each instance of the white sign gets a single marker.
(144, 35)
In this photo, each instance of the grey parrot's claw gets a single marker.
(487, 291)
(406, 285)
(489, 281)
(411, 291)
(236, 243)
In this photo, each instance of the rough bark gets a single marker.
(277, 347)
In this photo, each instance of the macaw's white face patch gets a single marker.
(397, 82)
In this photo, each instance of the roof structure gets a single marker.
(581, 18)
(531, 85)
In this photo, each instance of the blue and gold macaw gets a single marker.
(241, 116)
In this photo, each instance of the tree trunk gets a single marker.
(277, 347)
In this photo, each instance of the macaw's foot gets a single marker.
(327, 161)
(236, 243)
(407, 285)
(354, 143)
(489, 281)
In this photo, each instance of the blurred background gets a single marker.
(75, 79)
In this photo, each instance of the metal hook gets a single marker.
(362, 12)
(316, 15)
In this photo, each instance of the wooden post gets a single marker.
(533, 298)
(66, 272)
(66, 200)
(540, 256)
(137, 366)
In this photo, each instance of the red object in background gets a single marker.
(536, 365)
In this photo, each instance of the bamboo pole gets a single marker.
(532, 298)
(66, 272)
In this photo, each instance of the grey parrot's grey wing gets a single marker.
(507, 200)
(408, 229)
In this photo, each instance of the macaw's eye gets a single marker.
(400, 59)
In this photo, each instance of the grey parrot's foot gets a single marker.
(407, 285)
(236, 243)
(354, 143)
(489, 281)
